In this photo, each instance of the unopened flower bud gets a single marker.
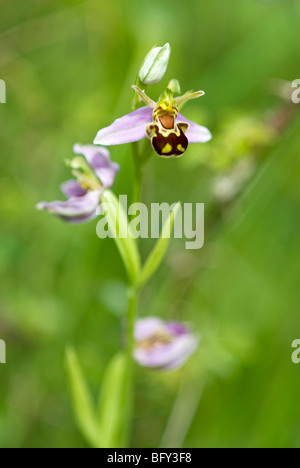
(155, 64)
(174, 86)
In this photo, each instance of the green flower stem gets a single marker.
(139, 160)
(133, 298)
(131, 315)
(132, 309)
(133, 294)
(138, 174)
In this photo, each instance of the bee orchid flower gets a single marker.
(170, 132)
(94, 172)
(162, 345)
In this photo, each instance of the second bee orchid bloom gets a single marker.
(169, 132)
(163, 345)
(94, 172)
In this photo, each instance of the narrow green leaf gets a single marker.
(83, 406)
(156, 256)
(119, 229)
(114, 403)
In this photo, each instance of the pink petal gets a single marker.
(164, 355)
(196, 133)
(76, 209)
(146, 327)
(99, 159)
(72, 189)
(167, 356)
(129, 128)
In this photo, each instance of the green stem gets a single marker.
(131, 314)
(132, 293)
(137, 157)
(137, 188)
(138, 174)
(139, 160)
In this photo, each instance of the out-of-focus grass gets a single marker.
(68, 66)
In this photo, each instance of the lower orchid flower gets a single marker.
(162, 345)
(94, 172)
(170, 132)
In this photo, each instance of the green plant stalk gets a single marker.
(138, 174)
(133, 296)
(131, 315)
(140, 158)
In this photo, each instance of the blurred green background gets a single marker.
(68, 66)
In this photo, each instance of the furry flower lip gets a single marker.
(163, 345)
(93, 173)
(170, 132)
